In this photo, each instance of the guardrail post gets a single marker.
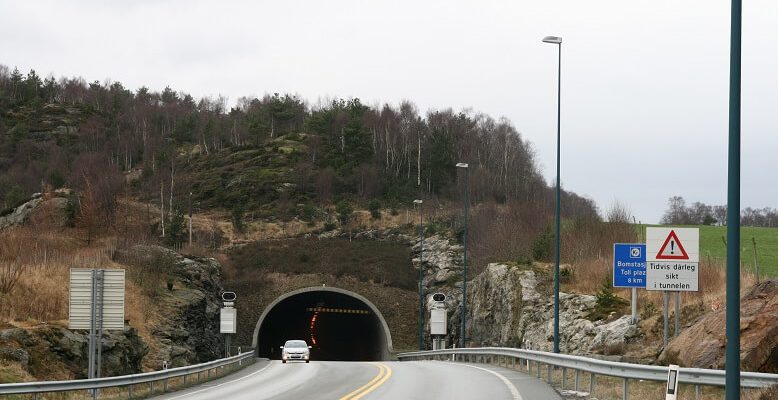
(513, 362)
(549, 373)
(164, 386)
(529, 367)
(537, 368)
(592, 384)
(129, 391)
(184, 380)
(697, 391)
(564, 377)
(577, 379)
(151, 387)
(625, 396)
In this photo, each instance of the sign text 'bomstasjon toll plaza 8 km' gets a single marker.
(629, 265)
(672, 258)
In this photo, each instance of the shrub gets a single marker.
(524, 259)
(71, 211)
(309, 213)
(14, 197)
(344, 211)
(607, 301)
(649, 310)
(543, 245)
(566, 274)
(56, 179)
(375, 209)
(237, 218)
(177, 229)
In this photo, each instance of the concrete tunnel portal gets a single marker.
(339, 324)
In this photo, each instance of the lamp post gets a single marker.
(732, 363)
(464, 272)
(421, 275)
(557, 41)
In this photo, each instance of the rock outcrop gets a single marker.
(441, 260)
(189, 332)
(702, 345)
(40, 210)
(512, 305)
(21, 213)
(49, 351)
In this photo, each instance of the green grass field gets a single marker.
(713, 249)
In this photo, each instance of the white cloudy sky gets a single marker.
(644, 82)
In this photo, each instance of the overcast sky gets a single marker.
(644, 83)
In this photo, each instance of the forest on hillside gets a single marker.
(270, 154)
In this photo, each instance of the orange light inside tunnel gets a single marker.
(313, 328)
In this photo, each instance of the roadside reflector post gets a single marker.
(672, 383)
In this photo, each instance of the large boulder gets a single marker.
(702, 345)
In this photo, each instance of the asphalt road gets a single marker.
(410, 380)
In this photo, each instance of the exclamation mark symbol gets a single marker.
(672, 247)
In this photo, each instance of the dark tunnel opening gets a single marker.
(338, 326)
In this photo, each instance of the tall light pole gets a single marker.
(732, 363)
(464, 240)
(421, 275)
(557, 41)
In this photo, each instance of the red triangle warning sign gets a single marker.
(672, 249)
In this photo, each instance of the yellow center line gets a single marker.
(384, 372)
(387, 375)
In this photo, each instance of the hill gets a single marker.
(274, 157)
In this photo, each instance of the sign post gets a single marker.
(96, 303)
(672, 264)
(629, 270)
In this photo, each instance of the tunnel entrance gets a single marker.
(340, 326)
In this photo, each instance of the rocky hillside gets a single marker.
(171, 307)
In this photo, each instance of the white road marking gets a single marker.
(514, 391)
(225, 383)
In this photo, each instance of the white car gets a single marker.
(295, 350)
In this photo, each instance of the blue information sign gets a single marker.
(629, 265)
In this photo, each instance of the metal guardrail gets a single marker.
(694, 376)
(124, 380)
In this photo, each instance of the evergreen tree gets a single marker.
(32, 86)
(17, 80)
(441, 162)
(177, 228)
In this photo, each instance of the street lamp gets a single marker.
(421, 276)
(558, 41)
(464, 240)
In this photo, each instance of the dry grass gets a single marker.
(589, 276)
(45, 258)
